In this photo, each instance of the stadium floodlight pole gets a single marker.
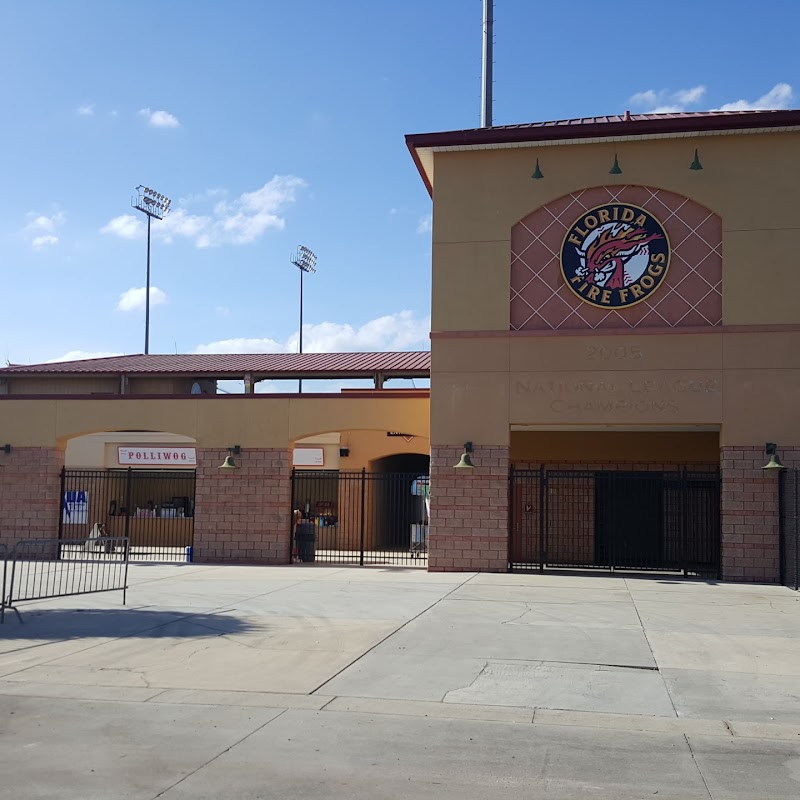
(305, 260)
(152, 204)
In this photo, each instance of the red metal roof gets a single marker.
(272, 365)
(613, 125)
(609, 125)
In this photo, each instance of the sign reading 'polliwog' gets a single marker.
(615, 255)
(158, 456)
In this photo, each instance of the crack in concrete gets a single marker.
(218, 755)
(697, 766)
(392, 633)
(469, 685)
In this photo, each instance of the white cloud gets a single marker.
(243, 346)
(41, 222)
(134, 299)
(240, 221)
(80, 355)
(691, 96)
(181, 223)
(668, 102)
(126, 227)
(86, 110)
(425, 224)
(41, 229)
(400, 331)
(159, 119)
(779, 96)
(648, 98)
(252, 213)
(44, 241)
(665, 101)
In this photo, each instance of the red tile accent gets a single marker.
(691, 294)
(30, 493)
(243, 516)
(750, 534)
(469, 511)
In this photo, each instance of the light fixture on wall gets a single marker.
(615, 170)
(229, 463)
(465, 462)
(774, 462)
(6, 448)
(537, 173)
(696, 165)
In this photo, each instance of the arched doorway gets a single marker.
(376, 515)
(136, 484)
(398, 502)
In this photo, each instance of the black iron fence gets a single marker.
(665, 521)
(154, 509)
(360, 517)
(37, 569)
(789, 498)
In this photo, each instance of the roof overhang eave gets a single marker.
(423, 147)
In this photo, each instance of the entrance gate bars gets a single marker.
(789, 499)
(634, 520)
(153, 509)
(363, 518)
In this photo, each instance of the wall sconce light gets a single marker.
(6, 448)
(537, 173)
(615, 170)
(229, 463)
(696, 165)
(774, 462)
(465, 462)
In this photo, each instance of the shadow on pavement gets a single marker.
(64, 624)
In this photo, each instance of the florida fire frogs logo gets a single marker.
(615, 255)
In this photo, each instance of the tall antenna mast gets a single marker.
(486, 76)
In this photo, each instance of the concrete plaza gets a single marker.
(326, 682)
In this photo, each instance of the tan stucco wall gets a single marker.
(67, 385)
(486, 380)
(257, 421)
(747, 180)
(99, 450)
(747, 384)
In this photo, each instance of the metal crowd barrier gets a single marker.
(37, 569)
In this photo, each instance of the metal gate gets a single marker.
(789, 499)
(582, 519)
(363, 518)
(153, 509)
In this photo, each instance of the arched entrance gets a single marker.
(135, 484)
(376, 515)
(399, 502)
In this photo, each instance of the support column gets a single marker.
(30, 493)
(469, 510)
(749, 512)
(242, 516)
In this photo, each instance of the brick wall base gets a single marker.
(749, 503)
(30, 489)
(242, 515)
(469, 511)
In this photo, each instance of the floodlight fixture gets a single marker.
(152, 204)
(306, 261)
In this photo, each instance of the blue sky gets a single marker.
(277, 124)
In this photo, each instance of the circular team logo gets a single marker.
(615, 255)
